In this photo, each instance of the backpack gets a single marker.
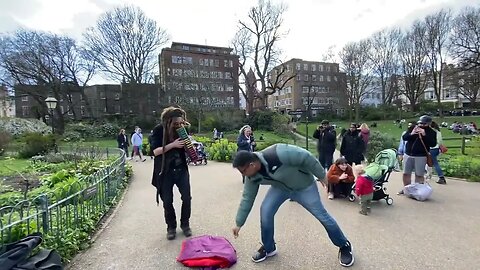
(211, 252)
(17, 255)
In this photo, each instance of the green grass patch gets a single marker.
(10, 166)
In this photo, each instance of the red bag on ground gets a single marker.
(207, 251)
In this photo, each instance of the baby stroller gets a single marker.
(202, 155)
(380, 170)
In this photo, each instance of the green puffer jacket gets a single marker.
(289, 167)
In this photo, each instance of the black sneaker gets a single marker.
(345, 255)
(261, 254)
(171, 234)
(187, 231)
(442, 181)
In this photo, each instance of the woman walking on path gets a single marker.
(435, 152)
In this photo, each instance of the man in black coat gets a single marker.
(352, 146)
(327, 142)
(417, 147)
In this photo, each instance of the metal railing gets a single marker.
(74, 206)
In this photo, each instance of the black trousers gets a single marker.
(325, 159)
(341, 189)
(180, 178)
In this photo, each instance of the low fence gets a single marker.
(463, 143)
(74, 206)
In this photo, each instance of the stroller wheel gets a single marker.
(352, 197)
(389, 200)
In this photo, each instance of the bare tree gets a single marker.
(355, 62)
(256, 44)
(414, 65)
(465, 39)
(437, 33)
(47, 61)
(384, 58)
(124, 43)
(469, 84)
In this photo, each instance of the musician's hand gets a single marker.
(178, 143)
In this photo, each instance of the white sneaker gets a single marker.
(330, 196)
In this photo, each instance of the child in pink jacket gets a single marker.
(364, 189)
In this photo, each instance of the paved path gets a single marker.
(443, 233)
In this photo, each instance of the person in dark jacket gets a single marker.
(170, 168)
(415, 157)
(290, 171)
(352, 145)
(245, 140)
(122, 141)
(327, 142)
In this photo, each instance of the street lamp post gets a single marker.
(51, 105)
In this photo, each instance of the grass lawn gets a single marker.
(104, 143)
(10, 166)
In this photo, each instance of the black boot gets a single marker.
(186, 231)
(442, 181)
(171, 234)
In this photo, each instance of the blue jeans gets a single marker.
(435, 152)
(309, 198)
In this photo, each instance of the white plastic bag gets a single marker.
(420, 192)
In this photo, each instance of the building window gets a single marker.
(62, 110)
(320, 78)
(117, 96)
(298, 66)
(228, 75)
(225, 63)
(217, 63)
(211, 62)
(200, 61)
(70, 110)
(320, 68)
(82, 110)
(327, 68)
(335, 78)
(328, 78)
(229, 88)
(305, 67)
(231, 63)
(305, 77)
(305, 89)
(25, 98)
(102, 94)
(288, 67)
(24, 110)
(314, 77)
(185, 48)
(117, 109)
(314, 67)
(299, 77)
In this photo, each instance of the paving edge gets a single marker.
(103, 226)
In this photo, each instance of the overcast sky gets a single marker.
(313, 25)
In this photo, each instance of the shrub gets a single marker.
(222, 150)
(96, 130)
(19, 126)
(378, 142)
(36, 144)
(461, 166)
(72, 136)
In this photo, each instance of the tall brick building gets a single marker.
(318, 84)
(199, 76)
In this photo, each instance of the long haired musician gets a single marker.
(170, 168)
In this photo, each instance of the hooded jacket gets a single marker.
(288, 167)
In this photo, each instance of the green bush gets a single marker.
(378, 142)
(72, 136)
(36, 144)
(82, 130)
(461, 166)
(222, 150)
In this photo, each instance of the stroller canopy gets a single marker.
(387, 157)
